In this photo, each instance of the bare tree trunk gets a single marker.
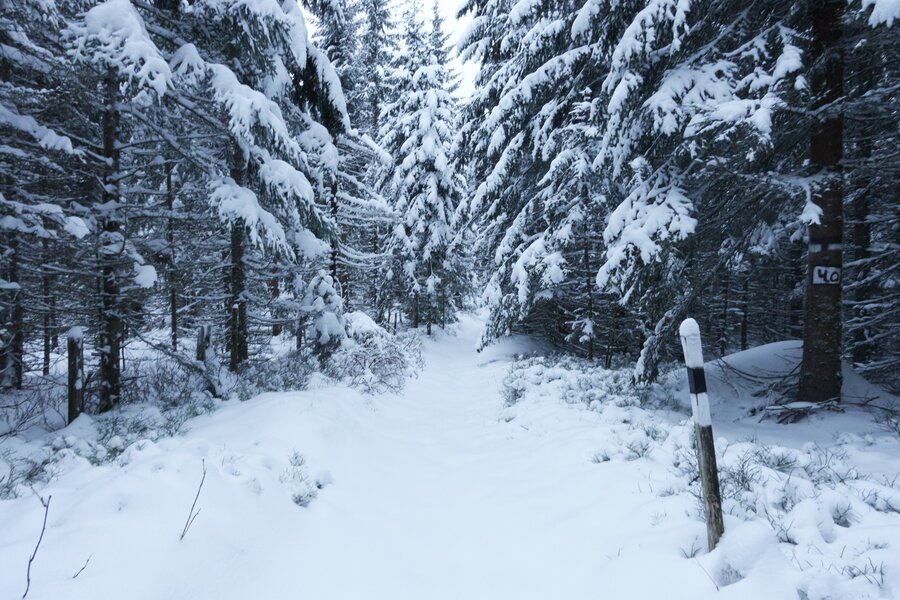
(745, 310)
(820, 371)
(75, 387)
(112, 246)
(48, 312)
(237, 320)
(375, 273)
(336, 243)
(862, 242)
(723, 338)
(237, 317)
(170, 240)
(17, 328)
(589, 290)
(275, 289)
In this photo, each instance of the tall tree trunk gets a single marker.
(170, 240)
(861, 233)
(862, 241)
(745, 308)
(335, 244)
(18, 323)
(375, 274)
(11, 361)
(589, 290)
(275, 289)
(723, 337)
(793, 280)
(237, 317)
(48, 311)
(820, 370)
(112, 246)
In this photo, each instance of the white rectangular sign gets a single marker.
(826, 275)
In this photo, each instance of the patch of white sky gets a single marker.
(453, 27)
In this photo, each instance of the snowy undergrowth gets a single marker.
(374, 360)
(164, 392)
(804, 512)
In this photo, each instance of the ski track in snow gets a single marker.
(434, 496)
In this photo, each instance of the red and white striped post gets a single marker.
(706, 449)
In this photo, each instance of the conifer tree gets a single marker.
(417, 131)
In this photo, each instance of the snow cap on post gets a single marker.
(690, 343)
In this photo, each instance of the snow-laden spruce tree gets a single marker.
(377, 49)
(676, 103)
(125, 78)
(357, 208)
(34, 225)
(417, 130)
(280, 103)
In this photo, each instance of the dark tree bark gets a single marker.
(723, 337)
(237, 317)
(17, 346)
(112, 245)
(589, 291)
(745, 309)
(275, 289)
(75, 387)
(173, 275)
(820, 371)
(48, 312)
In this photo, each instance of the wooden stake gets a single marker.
(706, 449)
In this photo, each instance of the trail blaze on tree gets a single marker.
(820, 370)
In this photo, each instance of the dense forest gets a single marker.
(449, 299)
(170, 167)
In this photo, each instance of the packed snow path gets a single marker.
(440, 492)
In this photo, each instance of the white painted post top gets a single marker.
(690, 343)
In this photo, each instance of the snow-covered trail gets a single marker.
(447, 500)
(437, 493)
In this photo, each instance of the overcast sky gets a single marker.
(455, 29)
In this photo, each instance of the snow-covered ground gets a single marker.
(486, 478)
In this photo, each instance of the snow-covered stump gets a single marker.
(75, 387)
(706, 449)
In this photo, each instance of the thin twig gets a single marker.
(699, 564)
(83, 567)
(46, 505)
(193, 515)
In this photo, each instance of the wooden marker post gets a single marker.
(75, 388)
(706, 449)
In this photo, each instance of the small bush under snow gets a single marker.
(374, 360)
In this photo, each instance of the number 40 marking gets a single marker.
(826, 275)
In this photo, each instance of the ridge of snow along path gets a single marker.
(441, 492)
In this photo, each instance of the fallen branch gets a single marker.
(192, 514)
(83, 567)
(46, 505)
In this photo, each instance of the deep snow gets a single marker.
(445, 491)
